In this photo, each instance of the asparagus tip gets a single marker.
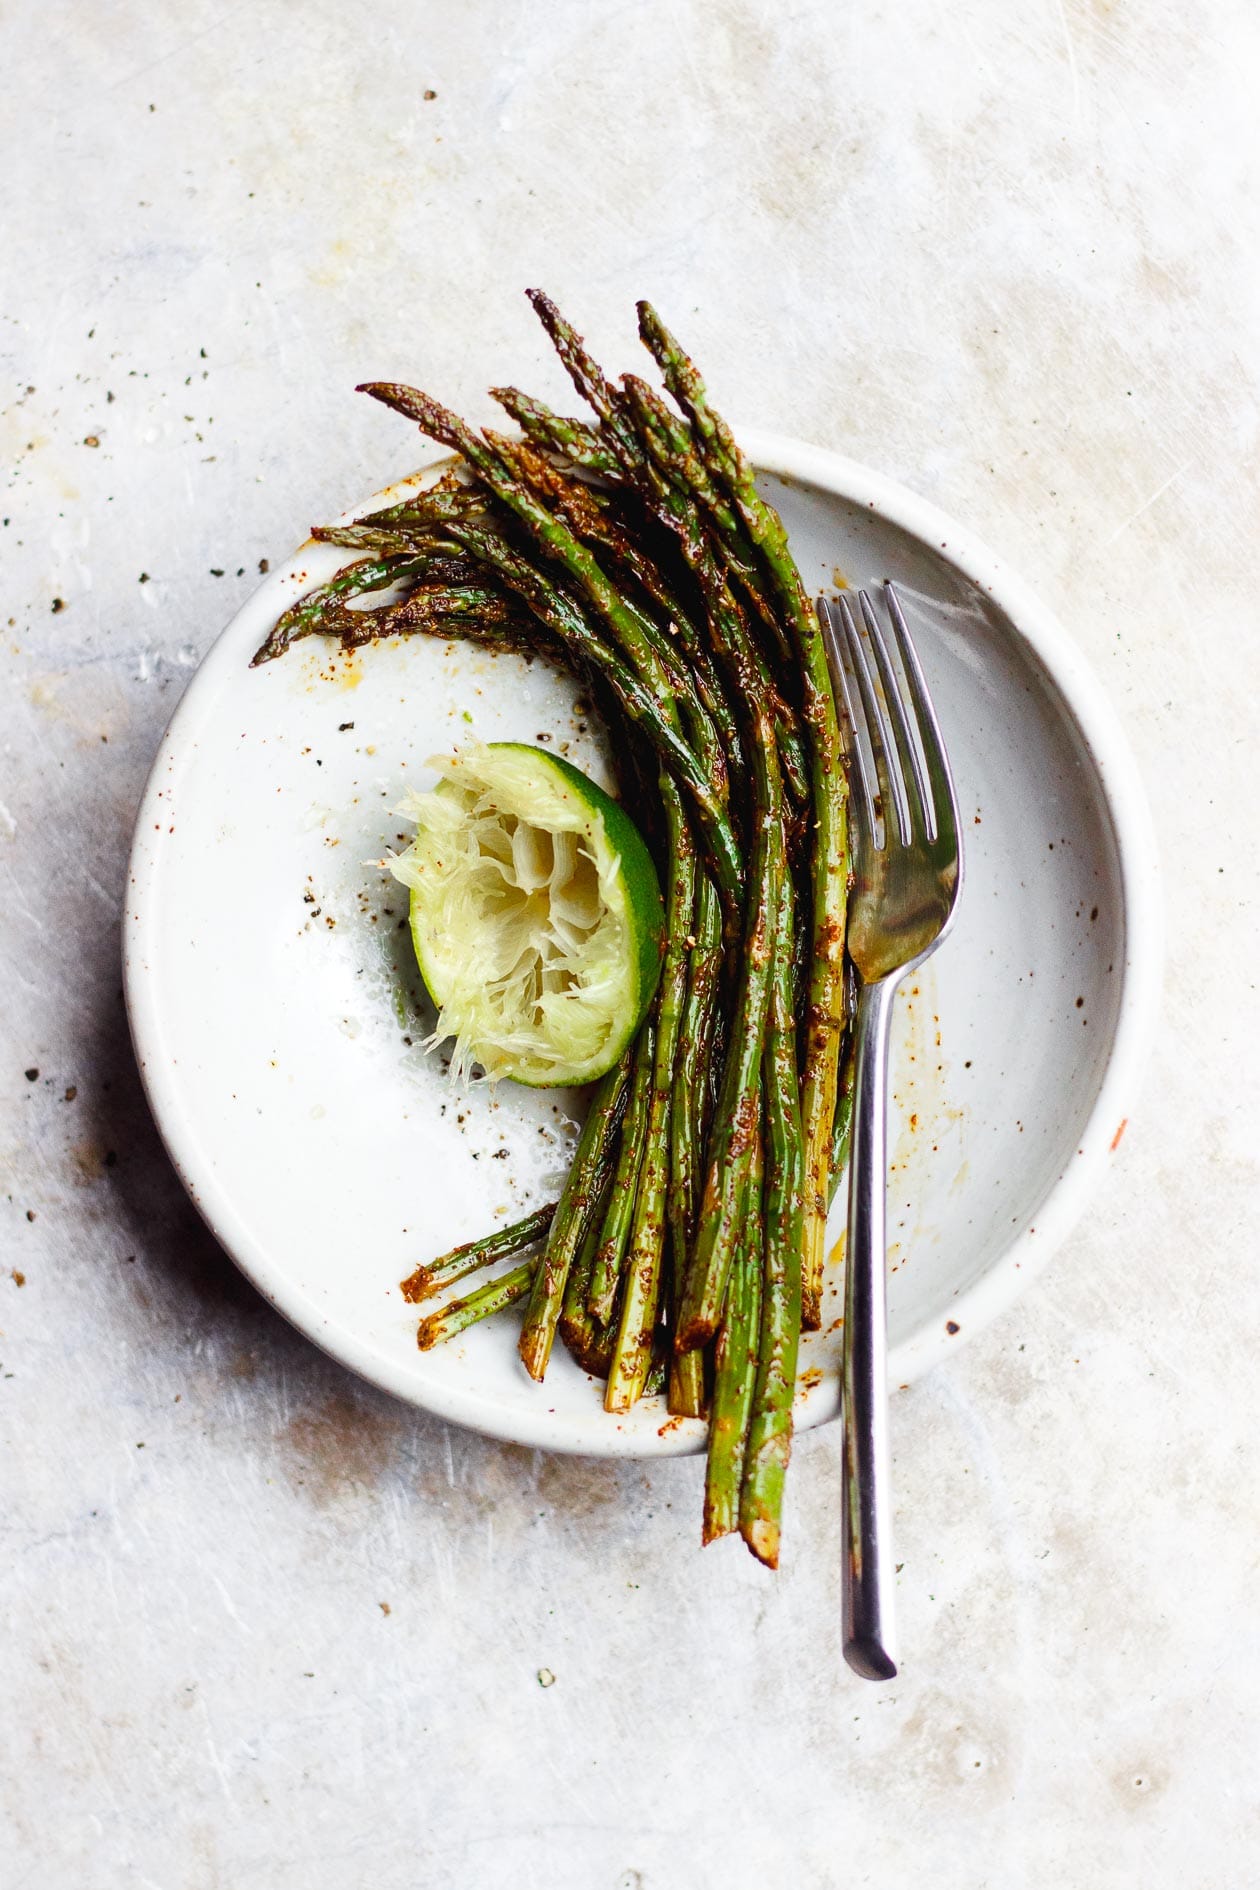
(650, 323)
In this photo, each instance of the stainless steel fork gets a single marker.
(907, 874)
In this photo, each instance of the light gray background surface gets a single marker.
(263, 1627)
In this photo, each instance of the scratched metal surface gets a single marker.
(262, 1626)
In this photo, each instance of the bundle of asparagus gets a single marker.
(686, 1251)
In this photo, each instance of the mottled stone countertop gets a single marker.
(264, 1628)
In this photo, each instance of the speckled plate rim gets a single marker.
(1122, 795)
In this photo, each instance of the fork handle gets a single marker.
(869, 1628)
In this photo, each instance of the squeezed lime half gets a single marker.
(536, 915)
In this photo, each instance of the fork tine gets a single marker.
(882, 736)
(918, 789)
(860, 755)
(944, 800)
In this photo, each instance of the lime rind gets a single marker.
(535, 913)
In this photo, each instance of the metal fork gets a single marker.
(907, 866)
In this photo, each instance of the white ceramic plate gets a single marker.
(274, 1004)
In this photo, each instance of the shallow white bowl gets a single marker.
(274, 1005)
